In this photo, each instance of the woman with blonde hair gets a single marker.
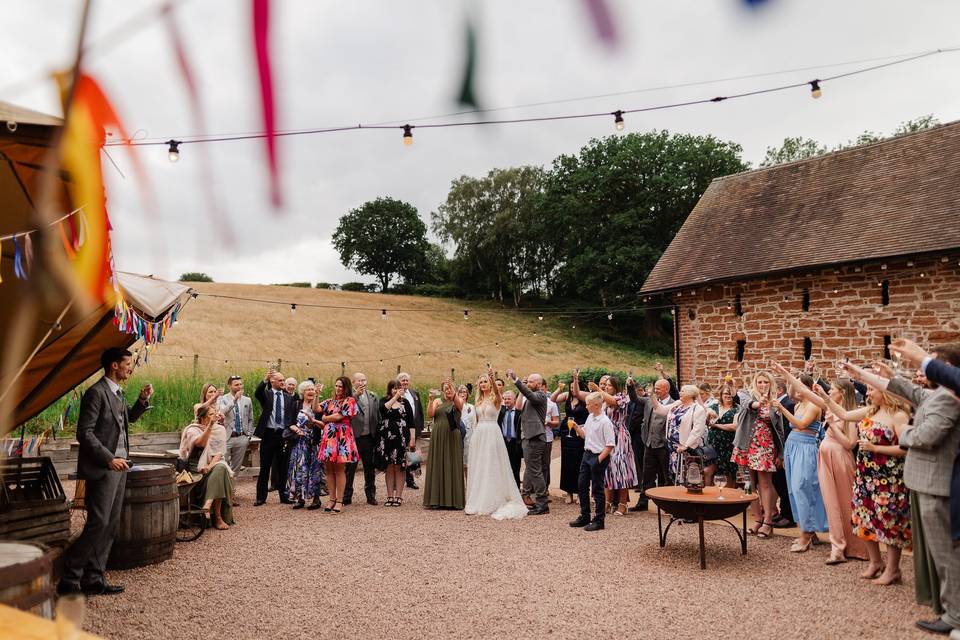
(209, 394)
(203, 445)
(881, 507)
(305, 476)
(444, 486)
(491, 489)
(758, 446)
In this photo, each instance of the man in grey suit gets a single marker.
(653, 434)
(365, 425)
(931, 445)
(536, 452)
(102, 431)
(237, 410)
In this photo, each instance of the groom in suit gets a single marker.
(103, 434)
(278, 410)
(365, 426)
(509, 421)
(534, 440)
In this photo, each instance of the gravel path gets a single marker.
(375, 572)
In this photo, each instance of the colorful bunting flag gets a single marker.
(261, 45)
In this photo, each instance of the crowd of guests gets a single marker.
(866, 457)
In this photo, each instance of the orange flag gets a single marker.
(90, 114)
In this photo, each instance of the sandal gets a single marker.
(397, 502)
(753, 530)
(335, 509)
(769, 531)
(329, 507)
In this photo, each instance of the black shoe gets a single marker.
(347, 500)
(102, 589)
(580, 522)
(372, 500)
(300, 504)
(783, 523)
(286, 501)
(538, 510)
(935, 626)
(640, 506)
(411, 484)
(596, 525)
(65, 588)
(259, 502)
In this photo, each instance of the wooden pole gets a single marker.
(196, 365)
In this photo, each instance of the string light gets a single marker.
(540, 317)
(609, 316)
(407, 135)
(293, 309)
(466, 314)
(815, 91)
(618, 120)
(173, 151)
(383, 314)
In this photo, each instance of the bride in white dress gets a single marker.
(491, 489)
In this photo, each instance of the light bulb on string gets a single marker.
(815, 91)
(609, 316)
(618, 120)
(293, 309)
(173, 150)
(419, 356)
(466, 314)
(383, 314)
(407, 135)
(540, 317)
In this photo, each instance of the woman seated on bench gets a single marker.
(203, 446)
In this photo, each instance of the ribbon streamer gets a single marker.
(261, 24)
(468, 93)
(602, 20)
(18, 260)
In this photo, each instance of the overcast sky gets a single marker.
(340, 63)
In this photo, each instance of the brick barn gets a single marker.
(824, 258)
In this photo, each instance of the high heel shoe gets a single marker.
(799, 547)
(621, 510)
(335, 508)
(873, 575)
(835, 559)
(896, 579)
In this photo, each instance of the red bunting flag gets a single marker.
(261, 24)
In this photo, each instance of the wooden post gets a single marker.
(398, 369)
(279, 364)
(343, 369)
(196, 362)
(453, 375)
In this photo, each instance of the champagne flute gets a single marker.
(69, 616)
(720, 479)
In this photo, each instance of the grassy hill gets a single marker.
(242, 337)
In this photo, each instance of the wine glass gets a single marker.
(69, 616)
(720, 479)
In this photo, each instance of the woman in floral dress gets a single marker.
(622, 470)
(720, 437)
(396, 431)
(881, 502)
(758, 445)
(305, 475)
(338, 448)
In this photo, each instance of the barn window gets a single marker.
(886, 347)
(885, 292)
(738, 306)
(807, 348)
(806, 299)
(741, 349)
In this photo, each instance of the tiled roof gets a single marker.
(897, 197)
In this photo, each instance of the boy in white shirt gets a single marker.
(599, 440)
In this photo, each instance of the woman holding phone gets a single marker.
(444, 486)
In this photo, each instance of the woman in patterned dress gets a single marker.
(304, 478)
(881, 503)
(396, 432)
(622, 471)
(720, 437)
(338, 448)
(758, 445)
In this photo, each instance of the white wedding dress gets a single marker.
(491, 489)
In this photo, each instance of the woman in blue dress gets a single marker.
(305, 475)
(800, 464)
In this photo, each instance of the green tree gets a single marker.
(619, 203)
(492, 223)
(195, 276)
(384, 238)
(791, 150)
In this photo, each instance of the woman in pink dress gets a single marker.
(338, 448)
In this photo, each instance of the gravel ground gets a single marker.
(410, 573)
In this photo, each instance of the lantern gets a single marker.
(691, 469)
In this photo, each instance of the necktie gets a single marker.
(509, 425)
(277, 408)
(236, 415)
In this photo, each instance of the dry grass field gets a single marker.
(244, 336)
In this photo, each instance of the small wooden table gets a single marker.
(682, 505)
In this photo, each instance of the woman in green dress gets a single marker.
(203, 448)
(720, 436)
(444, 488)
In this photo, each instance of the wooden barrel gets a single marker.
(47, 523)
(148, 523)
(26, 580)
